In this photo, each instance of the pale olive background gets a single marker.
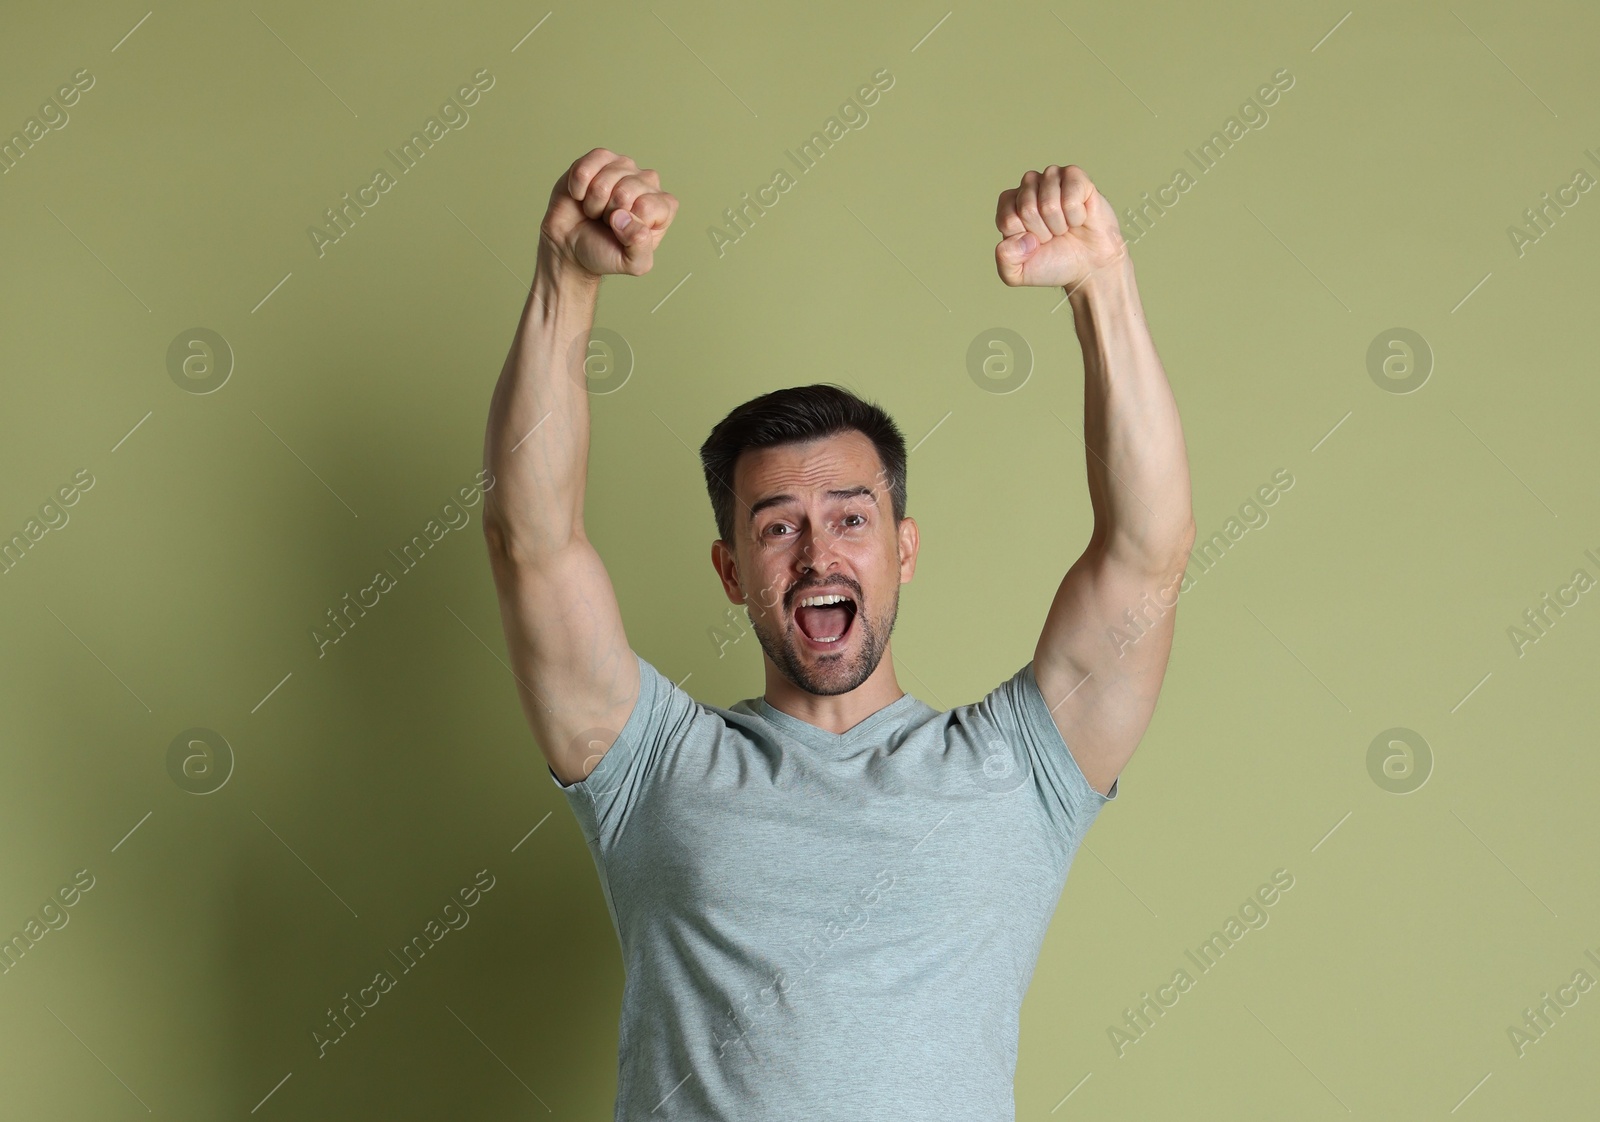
(379, 779)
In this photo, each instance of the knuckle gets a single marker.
(587, 165)
(627, 189)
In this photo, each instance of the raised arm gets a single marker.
(576, 676)
(1103, 652)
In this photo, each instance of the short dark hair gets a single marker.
(791, 416)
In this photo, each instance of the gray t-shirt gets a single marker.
(820, 926)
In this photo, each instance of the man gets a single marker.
(830, 899)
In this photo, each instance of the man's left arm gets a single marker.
(1102, 654)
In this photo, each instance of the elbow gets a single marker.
(511, 545)
(506, 545)
(494, 536)
(1175, 558)
(1159, 553)
(1186, 539)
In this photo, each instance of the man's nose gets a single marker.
(818, 551)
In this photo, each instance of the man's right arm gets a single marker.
(577, 677)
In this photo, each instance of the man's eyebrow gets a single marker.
(840, 493)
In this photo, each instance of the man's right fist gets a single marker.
(607, 215)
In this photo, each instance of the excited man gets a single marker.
(830, 899)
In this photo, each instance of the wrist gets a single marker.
(561, 287)
(1109, 291)
(559, 271)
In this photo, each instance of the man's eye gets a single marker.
(860, 516)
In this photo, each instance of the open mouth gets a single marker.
(828, 624)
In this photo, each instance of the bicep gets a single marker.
(1102, 656)
(576, 676)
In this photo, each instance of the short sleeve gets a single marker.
(605, 799)
(1018, 708)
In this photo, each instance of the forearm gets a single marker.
(536, 444)
(1138, 465)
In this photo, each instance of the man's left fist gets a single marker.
(1057, 230)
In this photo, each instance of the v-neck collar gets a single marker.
(821, 738)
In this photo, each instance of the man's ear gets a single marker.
(723, 561)
(909, 542)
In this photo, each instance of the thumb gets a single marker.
(1017, 247)
(625, 225)
(1013, 252)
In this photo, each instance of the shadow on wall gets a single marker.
(403, 773)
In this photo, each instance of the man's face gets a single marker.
(813, 519)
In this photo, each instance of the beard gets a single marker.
(827, 674)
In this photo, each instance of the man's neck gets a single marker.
(835, 713)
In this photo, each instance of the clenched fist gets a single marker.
(607, 215)
(1058, 230)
